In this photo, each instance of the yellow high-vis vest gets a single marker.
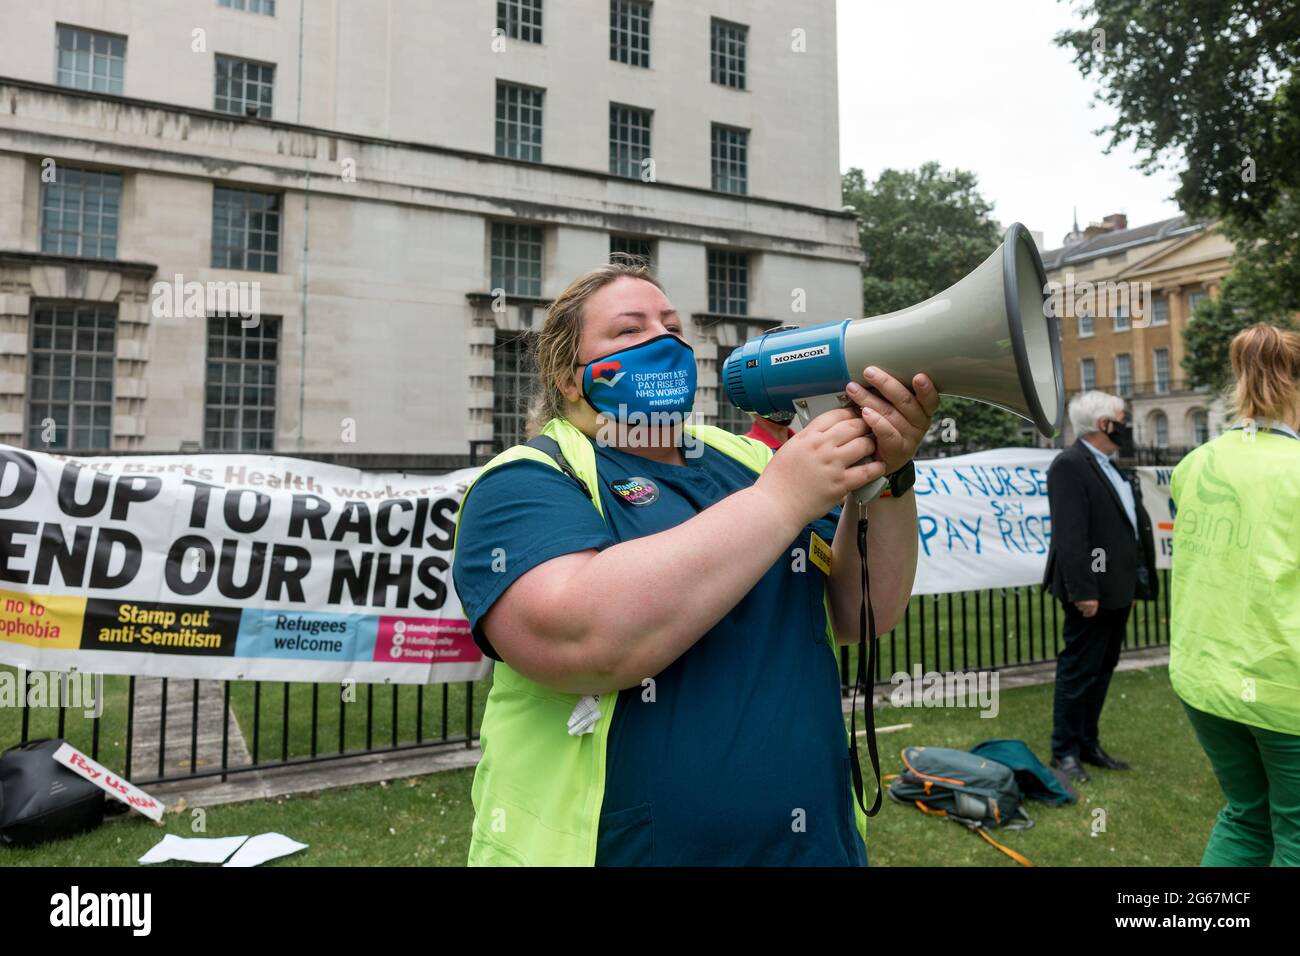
(537, 790)
(1234, 648)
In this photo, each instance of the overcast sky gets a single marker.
(979, 84)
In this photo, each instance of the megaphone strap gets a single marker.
(865, 678)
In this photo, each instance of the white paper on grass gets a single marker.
(263, 847)
(193, 849)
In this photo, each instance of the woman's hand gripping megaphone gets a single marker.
(895, 417)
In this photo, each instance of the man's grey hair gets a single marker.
(1087, 407)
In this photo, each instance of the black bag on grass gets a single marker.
(977, 792)
(40, 799)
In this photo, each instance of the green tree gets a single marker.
(1210, 87)
(922, 230)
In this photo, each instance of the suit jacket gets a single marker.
(1087, 514)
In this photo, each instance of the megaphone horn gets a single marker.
(991, 337)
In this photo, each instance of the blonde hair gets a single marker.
(555, 348)
(1266, 366)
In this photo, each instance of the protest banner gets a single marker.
(242, 567)
(1154, 483)
(982, 520)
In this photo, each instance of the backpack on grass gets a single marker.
(40, 799)
(975, 791)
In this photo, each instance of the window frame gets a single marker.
(625, 31)
(246, 250)
(1087, 362)
(230, 60)
(524, 373)
(1122, 389)
(502, 124)
(631, 166)
(723, 66)
(242, 362)
(59, 30)
(75, 376)
(716, 285)
(722, 169)
(44, 228)
(247, 6)
(497, 279)
(1161, 387)
(510, 17)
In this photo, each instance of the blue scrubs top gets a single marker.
(736, 754)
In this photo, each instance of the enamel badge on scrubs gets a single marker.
(635, 491)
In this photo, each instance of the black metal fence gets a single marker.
(990, 629)
(271, 710)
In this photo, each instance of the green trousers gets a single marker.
(1259, 771)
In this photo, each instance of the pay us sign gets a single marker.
(102, 777)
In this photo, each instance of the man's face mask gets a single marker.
(1121, 433)
(657, 375)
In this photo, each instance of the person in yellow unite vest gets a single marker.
(1234, 656)
(664, 602)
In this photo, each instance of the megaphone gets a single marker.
(991, 337)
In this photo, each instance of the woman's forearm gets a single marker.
(627, 612)
(891, 554)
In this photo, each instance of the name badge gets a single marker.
(819, 552)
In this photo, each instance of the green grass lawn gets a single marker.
(1158, 813)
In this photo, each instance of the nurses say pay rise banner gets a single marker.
(243, 567)
(982, 520)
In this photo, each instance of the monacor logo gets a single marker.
(798, 355)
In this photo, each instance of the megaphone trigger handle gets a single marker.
(809, 408)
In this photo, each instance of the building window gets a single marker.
(520, 19)
(634, 246)
(729, 416)
(1120, 319)
(519, 122)
(89, 60)
(1160, 362)
(1193, 300)
(244, 87)
(243, 365)
(245, 230)
(629, 32)
(516, 258)
(1085, 325)
(727, 53)
(513, 373)
(1200, 426)
(266, 7)
(79, 213)
(1124, 375)
(1160, 429)
(629, 140)
(730, 159)
(1160, 311)
(1088, 374)
(728, 282)
(70, 380)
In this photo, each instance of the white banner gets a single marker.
(983, 520)
(1154, 482)
(243, 567)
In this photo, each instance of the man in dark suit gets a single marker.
(1101, 559)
